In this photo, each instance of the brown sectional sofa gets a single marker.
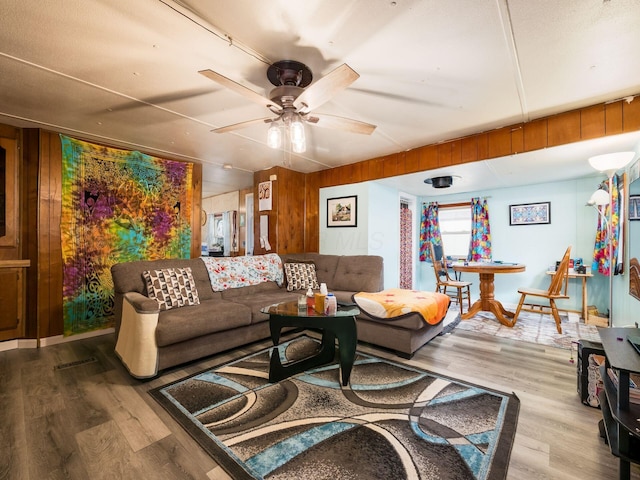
(149, 340)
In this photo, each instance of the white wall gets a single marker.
(536, 246)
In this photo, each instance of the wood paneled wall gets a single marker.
(287, 216)
(574, 126)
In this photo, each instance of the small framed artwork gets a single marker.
(342, 212)
(530, 213)
(634, 207)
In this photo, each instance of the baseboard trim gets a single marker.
(49, 341)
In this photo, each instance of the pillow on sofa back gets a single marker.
(300, 276)
(171, 287)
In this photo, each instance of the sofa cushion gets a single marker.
(362, 273)
(189, 322)
(301, 276)
(171, 287)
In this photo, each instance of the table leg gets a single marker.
(327, 352)
(585, 307)
(488, 303)
(347, 341)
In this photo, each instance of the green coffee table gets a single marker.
(342, 326)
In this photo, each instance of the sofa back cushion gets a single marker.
(127, 277)
(359, 273)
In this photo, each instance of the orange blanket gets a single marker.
(396, 302)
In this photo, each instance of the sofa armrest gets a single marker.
(141, 303)
(136, 345)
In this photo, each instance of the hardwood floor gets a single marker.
(71, 411)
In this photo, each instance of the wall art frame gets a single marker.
(634, 207)
(342, 211)
(530, 213)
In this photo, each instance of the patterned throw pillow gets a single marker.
(171, 287)
(300, 276)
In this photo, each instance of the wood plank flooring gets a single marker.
(93, 421)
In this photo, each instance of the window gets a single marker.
(455, 228)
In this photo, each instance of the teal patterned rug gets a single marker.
(393, 421)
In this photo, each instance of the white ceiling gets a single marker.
(126, 74)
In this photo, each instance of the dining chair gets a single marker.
(444, 283)
(556, 290)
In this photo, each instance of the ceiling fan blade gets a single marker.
(325, 88)
(238, 126)
(341, 123)
(241, 89)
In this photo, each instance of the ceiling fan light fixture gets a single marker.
(274, 136)
(296, 130)
(299, 147)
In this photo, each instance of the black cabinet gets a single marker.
(621, 417)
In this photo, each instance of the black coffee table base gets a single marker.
(342, 328)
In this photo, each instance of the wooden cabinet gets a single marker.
(619, 414)
(12, 298)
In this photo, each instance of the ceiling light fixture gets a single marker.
(290, 122)
(227, 166)
(440, 182)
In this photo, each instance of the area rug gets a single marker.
(393, 421)
(533, 327)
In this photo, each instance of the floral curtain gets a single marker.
(601, 261)
(406, 247)
(429, 229)
(480, 245)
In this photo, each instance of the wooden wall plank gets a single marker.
(631, 115)
(412, 161)
(196, 210)
(517, 138)
(443, 151)
(469, 149)
(499, 142)
(428, 157)
(592, 122)
(563, 128)
(390, 166)
(483, 146)
(30, 234)
(535, 135)
(613, 118)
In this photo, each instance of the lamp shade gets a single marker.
(611, 162)
(599, 197)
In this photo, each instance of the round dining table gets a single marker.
(487, 301)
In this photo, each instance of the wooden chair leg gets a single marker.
(468, 298)
(460, 299)
(556, 316)
(515, 316)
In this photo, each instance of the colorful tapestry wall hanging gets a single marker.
(117, 206)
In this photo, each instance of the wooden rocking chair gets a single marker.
(556, 290)
(444, 283)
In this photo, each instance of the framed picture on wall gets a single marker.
(342, 211)
(634, 207)
(530, 213)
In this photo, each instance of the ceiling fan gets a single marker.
(291, 102)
